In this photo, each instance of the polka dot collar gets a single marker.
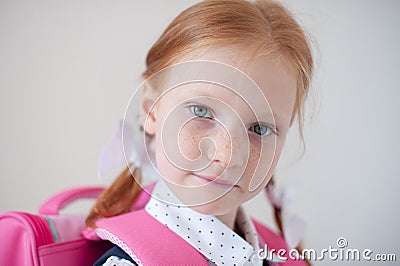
(217, 242)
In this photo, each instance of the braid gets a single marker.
(117, 198)
(277, 208)
(278, 215)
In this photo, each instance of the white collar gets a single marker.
(217, 242)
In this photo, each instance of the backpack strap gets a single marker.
(53, 205)
(276, 242)
(147, 241)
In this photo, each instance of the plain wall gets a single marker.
(68, 68)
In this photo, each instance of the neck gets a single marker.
(228, 218)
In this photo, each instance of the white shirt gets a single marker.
(115, 261)
(212, 238)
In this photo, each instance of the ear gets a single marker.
(148, 110)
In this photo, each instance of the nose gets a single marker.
(231, 148)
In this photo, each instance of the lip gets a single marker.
(216, 180)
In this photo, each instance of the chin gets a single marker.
(210, 209)
(218, 207)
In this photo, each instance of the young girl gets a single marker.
(223, 84)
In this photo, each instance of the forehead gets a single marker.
(273, 80)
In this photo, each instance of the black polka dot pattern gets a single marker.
(206, 233)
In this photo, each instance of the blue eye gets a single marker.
(261, 130)
(200, 111)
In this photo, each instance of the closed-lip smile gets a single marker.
(217, 180)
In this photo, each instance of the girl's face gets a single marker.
(217, 146)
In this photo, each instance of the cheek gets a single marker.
(254, 154)
(262, 162)
(253, 162)
(261, 152)
(189, 140)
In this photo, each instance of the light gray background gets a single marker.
(68, 68)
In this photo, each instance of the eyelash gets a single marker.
(271, 130)
(211, 117)
(193, 110)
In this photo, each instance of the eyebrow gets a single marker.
(274, 116)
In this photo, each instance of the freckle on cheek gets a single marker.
(190, 141)
(254, 154)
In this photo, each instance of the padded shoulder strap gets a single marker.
(147, 241)
(276, 242)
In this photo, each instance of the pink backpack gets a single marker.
(50, 238)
